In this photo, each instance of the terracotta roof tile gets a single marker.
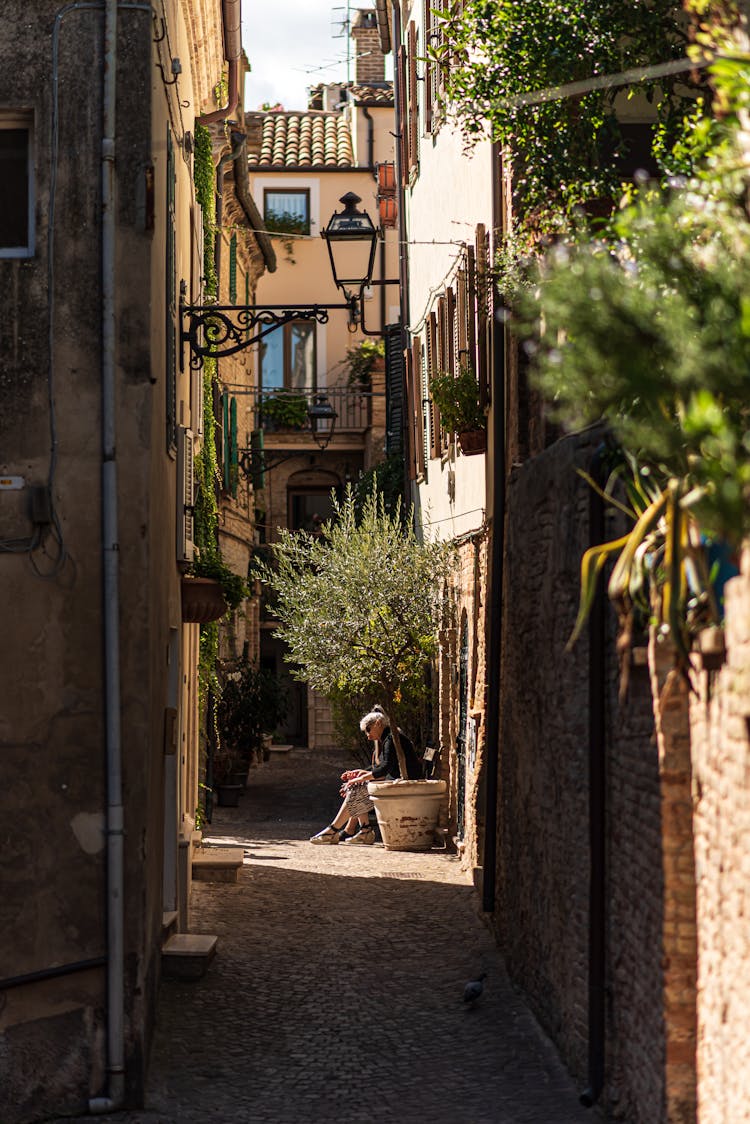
(299, 140)
(371, 95)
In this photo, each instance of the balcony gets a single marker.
(285, 411)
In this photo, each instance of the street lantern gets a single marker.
(321, 413)
(351, 239)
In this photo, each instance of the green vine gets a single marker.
(563, 151)
(205, 192)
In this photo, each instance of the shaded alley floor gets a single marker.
(337, 989)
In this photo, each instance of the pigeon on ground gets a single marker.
(474, 988)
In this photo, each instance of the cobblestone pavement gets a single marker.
(337, 989)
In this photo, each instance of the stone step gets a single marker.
(186, 956)
(217, 864)
(279, 748)
(168, 924)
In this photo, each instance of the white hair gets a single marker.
(377, 714)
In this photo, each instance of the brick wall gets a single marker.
(635, 1054)
(721, 793)
(465, 772)
(544, 856)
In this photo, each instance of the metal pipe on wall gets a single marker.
(231, 11)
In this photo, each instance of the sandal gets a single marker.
(329, 834)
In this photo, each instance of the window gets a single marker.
(287, 211)
(287, 357)
(16, 189)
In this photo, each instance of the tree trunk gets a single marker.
(399, 751)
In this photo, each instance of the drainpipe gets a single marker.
(111, 595)
(232, 20)
(597, 805)
(496, 576)
(370, 138)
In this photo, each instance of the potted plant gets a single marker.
(457, 400)
(360, 361)
(284, 411)
(228, 776)
(210, 589)
(253, 702)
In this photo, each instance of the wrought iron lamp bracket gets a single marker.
(220, 330)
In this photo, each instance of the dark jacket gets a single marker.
(385, 767)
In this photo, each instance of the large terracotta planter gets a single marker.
(202, 600)
(407, 812)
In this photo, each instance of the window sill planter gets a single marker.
(407, 812)
(202, 600)
(472, 441)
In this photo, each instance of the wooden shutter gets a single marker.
(450, 301)
(413, 114)
(471, 302)
(482, 311)
(434, 413)
(411, 452)
(419, 428)
(403, 122)
(170, 381)
(429, 66)
(233, 269)
(394, 388)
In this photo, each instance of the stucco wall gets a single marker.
(52, 1034)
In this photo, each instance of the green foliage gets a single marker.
(359, 605)
(561, 149)
(234, 587)
(253, 702)
(205, 190)
(285, 222)
(386, 478)
(288, 411)
(654, 335)
(360, 360)
(457, 399)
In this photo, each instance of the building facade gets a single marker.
(102, 421)
(301, 164)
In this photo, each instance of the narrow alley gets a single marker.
(337, 989)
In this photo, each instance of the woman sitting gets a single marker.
(352, 822)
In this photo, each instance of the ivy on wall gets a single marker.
(206, 464)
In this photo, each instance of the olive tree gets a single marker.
(359, 603)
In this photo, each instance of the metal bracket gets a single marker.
(220, 330)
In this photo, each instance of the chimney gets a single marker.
(369, 61)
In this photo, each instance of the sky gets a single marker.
(291, 45)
